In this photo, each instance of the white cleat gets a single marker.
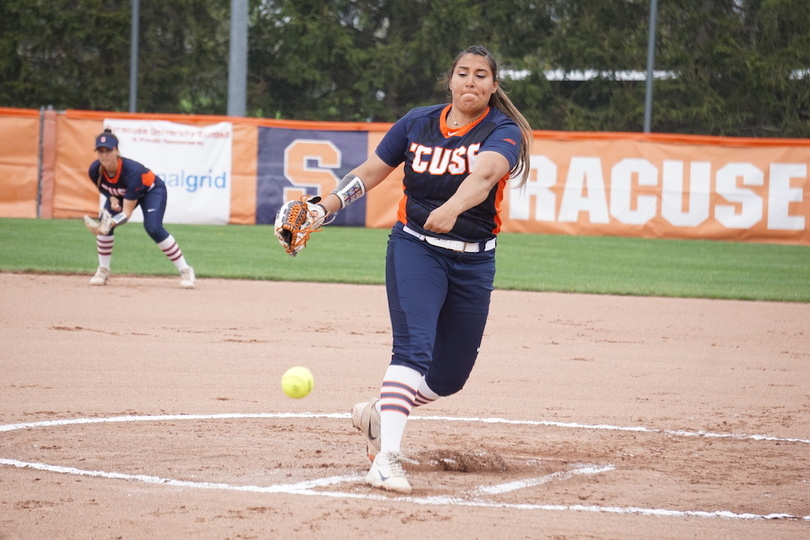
(366, 418)
(187, 278)
(386, 473)
(100, 277)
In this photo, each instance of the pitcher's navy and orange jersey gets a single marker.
(131, 181)
(438, 158)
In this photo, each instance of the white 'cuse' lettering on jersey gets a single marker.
(439, 161)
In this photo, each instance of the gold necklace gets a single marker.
(455, 122)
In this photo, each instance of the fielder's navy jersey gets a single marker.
(438, 158)
(131, 181)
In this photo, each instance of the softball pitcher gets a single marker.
(126, 184)
(440, 261)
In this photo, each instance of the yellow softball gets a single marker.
(297, 382)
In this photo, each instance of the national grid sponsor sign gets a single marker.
(193, 161)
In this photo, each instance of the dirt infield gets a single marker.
(140, 410)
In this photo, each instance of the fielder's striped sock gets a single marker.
(104, 246)
(173, 252)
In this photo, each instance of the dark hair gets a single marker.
(499, 100)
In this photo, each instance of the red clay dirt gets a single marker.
(140, 410)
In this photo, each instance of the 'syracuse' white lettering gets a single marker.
(686, 194)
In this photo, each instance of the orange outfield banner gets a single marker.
(606, 184)
(19, 162)
(659, 189)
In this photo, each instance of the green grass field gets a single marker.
(577, 264)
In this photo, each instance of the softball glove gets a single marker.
(103, 226)
(296, 220)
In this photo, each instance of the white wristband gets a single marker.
(349, 190)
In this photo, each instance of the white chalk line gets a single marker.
(607, 427)
(306, 487)
(297, 487)
(547, 423)
(531, 482)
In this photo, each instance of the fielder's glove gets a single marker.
(103, 226)
(296, 220)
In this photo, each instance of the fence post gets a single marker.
(133, 56)
(47, 162)
(237, 64)
(650, 66)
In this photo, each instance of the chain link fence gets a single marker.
(721, 67)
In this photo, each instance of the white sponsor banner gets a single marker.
(193, 161)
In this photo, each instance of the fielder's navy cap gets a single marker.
(107, 140)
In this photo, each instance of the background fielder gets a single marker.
(126, 184)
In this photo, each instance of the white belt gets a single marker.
(454, 245)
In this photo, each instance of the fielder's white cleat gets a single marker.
(100, 277)
(187, 278)
(366, 418)
(386, 473)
